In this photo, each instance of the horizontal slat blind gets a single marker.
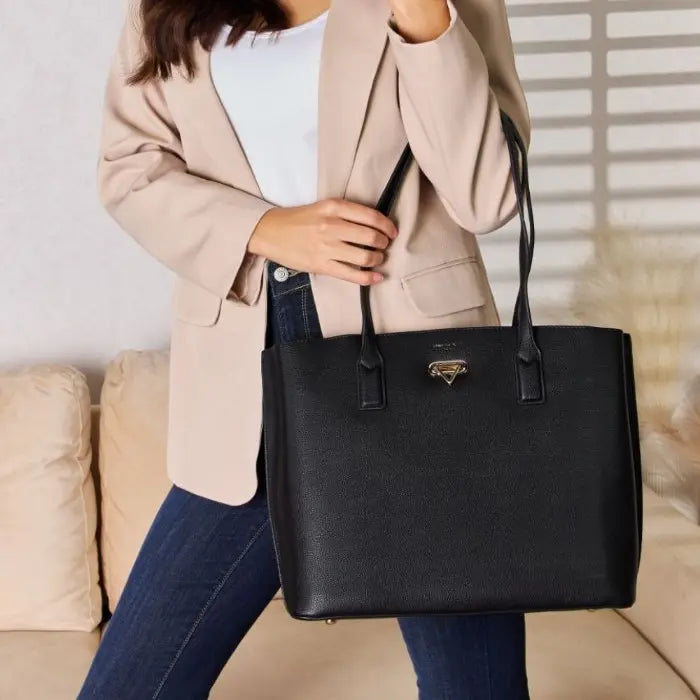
(614, 94)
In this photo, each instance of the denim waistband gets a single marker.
(292, 313)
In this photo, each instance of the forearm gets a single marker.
(197, 227)
(451, 91)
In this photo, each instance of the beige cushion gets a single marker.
(667, 610)
(133, 430)
(572, 655)
(45, 665)
(48, 554)
(288, 659)
(133, 482)
(596, 656)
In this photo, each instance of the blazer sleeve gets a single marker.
(198, 228)
(451, 91)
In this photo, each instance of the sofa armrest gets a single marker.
(667, 609)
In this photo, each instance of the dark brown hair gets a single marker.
(169, 28)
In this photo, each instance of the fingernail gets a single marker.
(377, 277)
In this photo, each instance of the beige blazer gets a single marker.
(172, 173)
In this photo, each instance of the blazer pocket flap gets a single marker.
(194, 304)
(453, 286)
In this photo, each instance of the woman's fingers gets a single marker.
(360, 214)
(361, 235)
(352, 274)
(362, 257)
(333, 237)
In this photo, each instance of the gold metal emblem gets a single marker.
(448, 370)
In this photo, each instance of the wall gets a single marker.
(614, 91)
(74, 288)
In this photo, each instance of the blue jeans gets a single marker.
(207, 570)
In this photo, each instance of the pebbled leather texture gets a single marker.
(517, 487)
(454, 498)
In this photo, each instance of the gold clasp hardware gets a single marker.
(330, 621)
(448, 370)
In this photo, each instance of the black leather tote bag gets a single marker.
(469, 470)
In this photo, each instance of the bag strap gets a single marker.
(371, 364)
(528, 358)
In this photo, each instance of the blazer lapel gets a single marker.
(217, 130)
(353, 45)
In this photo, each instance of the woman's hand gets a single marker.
(331, 237)
(420, 20)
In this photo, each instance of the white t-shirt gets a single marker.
(269, 89)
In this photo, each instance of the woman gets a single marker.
(250, 169)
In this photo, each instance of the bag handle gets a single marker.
(528, 358)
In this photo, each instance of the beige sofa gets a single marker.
(51, 596)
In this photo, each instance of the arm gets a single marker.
(452, 86)
(199, 228)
